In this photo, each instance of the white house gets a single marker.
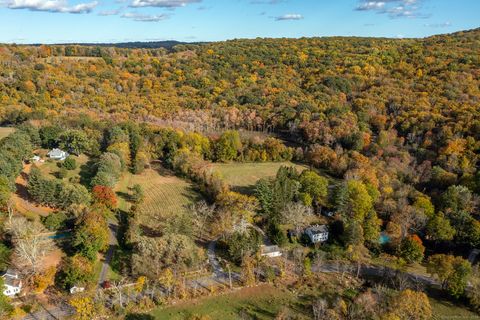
(75, 289)
(317, 233)
(12, 283)
(57, 154)
(270, 251)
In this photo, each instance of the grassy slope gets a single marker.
(265, 302)
(259, 303)
(243, 176)
(5, 131)
(165, 194)
(443, 310)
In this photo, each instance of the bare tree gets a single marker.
(30, 242)
(201, 213)
(297, 214)
(320, 308)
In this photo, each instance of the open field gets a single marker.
(243, 176)
(262, 302)
(165, 194)
(446, 310)
(266, 301)
(5, 131)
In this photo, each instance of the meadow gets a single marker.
(262, 302)
(243, 176)
(265, 302)
(165, 194)
(5, 131)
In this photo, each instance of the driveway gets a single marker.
(113, 243)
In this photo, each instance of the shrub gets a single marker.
(70, 163)
(55, 221)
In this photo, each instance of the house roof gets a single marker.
(269, 249)
(12, 282)
(11, 278)
(317, 229)
(56, 153)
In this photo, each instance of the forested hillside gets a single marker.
(376, 139)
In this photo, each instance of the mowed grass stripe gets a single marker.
(165, 195)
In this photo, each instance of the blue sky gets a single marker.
(54, 21)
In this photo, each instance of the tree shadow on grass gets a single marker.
(139, 316)
(87, 172)
(246, 190)
(124, 195)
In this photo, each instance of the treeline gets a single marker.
(54, 192)
(14, 149)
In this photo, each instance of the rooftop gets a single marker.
(317, 229)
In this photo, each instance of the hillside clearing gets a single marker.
(243, 176)
(165, 195)
(262, 302)
(5, 131)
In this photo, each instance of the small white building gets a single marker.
(75, 289)
(317, 233)
(270, 251)
(12, 283)
(57, 154)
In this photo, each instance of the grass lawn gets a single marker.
(165, 194)
(445, 310)
(262, 302)
(5, 131)
(243, 176)
(50, 167)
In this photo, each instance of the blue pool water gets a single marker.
(61, 235)
(384, 239)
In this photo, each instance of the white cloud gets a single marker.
(266, 1)
(52, 6)
(394, 8)
(438, 25)
(145, 17)
(289, 16)
(172, 4)
(371, 5)
(109, 12)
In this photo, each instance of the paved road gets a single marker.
(63, 311)
(375, 271)
(113, 243)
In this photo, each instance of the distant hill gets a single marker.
(169, 44)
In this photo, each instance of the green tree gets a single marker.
(314, 185)
(5, 307)
(228, 146)
(439, 228)
(457, 198)
(76, 270)
(70, 163)
(5, 191)
(411, 249)
(5, 253)
(241, 245)
(50, 136)
(453, 272)
(91, 233)
(74, 141)
(71, 194)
